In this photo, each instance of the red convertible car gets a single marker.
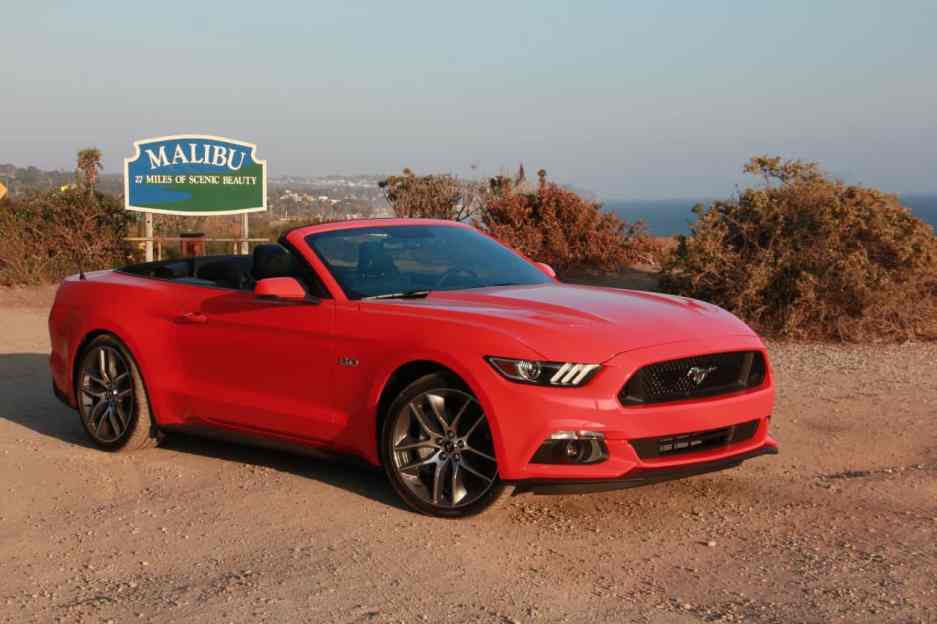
(426, 347)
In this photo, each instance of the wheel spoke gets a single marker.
(102, 364)
(112, 419)
(455, 421)
(121, 378)
(95, 415)
(475, 472)
(123, 394)
(438, 405)
(479, 453)
(409, 446)
(438, 480)
(458, 490)
(104, 417)
(100, 382)
(114, 365)
(91, 393)
(417, 464)
(419, 418)
(471, 430)
(124, 420)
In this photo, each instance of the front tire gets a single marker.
(437, 449)
(112, 399)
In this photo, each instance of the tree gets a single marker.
(556, 226)
(801, 255)
(89, 163)
(436, 196)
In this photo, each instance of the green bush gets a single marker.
(805, 256)
(48, 235)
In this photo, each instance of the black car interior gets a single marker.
(382, 261)
(233, 272)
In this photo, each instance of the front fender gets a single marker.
(476, 374)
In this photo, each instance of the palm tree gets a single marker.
(89, 162)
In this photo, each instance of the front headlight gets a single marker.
(567, 374)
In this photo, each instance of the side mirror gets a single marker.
(546, 268)
(287, 288)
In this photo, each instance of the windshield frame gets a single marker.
(536, 275)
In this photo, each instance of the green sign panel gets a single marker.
(195, 174)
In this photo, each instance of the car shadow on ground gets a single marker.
(339, 471)
(26, 399)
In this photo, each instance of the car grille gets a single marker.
(652, 448)
(694, 377)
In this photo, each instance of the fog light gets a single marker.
(572, 447)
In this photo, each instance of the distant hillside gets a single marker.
(20, 179)
(669, 217)
(23, 179)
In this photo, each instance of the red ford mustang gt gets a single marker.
(424, 346)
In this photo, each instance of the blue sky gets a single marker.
(624, 99)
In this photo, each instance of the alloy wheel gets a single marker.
(106, 397)
(442, 448)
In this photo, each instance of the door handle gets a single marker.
(193, 317)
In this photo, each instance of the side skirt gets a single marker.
(267, 441)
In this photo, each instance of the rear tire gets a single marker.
(437, 449)
(112, 400)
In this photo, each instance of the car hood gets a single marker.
(580, 323)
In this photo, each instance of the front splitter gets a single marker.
(638, 477)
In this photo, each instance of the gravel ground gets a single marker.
(838, 528)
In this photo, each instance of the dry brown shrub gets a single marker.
(662, 249)
(435, 196)
(805, 256)
(46, 236)
(556, 226)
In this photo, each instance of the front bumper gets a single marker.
(525, 416)
(639, 476)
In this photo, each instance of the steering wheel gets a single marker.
(455, 271)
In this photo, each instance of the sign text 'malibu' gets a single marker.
(194, 175)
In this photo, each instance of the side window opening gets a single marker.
(233, 272)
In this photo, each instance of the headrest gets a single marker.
(272, 261)
(373, 259)
(222, 272)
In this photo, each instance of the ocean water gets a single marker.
(668, 217)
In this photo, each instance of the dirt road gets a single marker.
(840, 527)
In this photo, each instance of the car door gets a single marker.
(260, 365)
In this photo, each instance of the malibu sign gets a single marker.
(194, 174)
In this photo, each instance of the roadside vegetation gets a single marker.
(797, 254)
(48, 234)
(801, 255)
(542, 220)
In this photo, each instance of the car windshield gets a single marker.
(410, 260)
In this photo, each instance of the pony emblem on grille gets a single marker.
(699, 373)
